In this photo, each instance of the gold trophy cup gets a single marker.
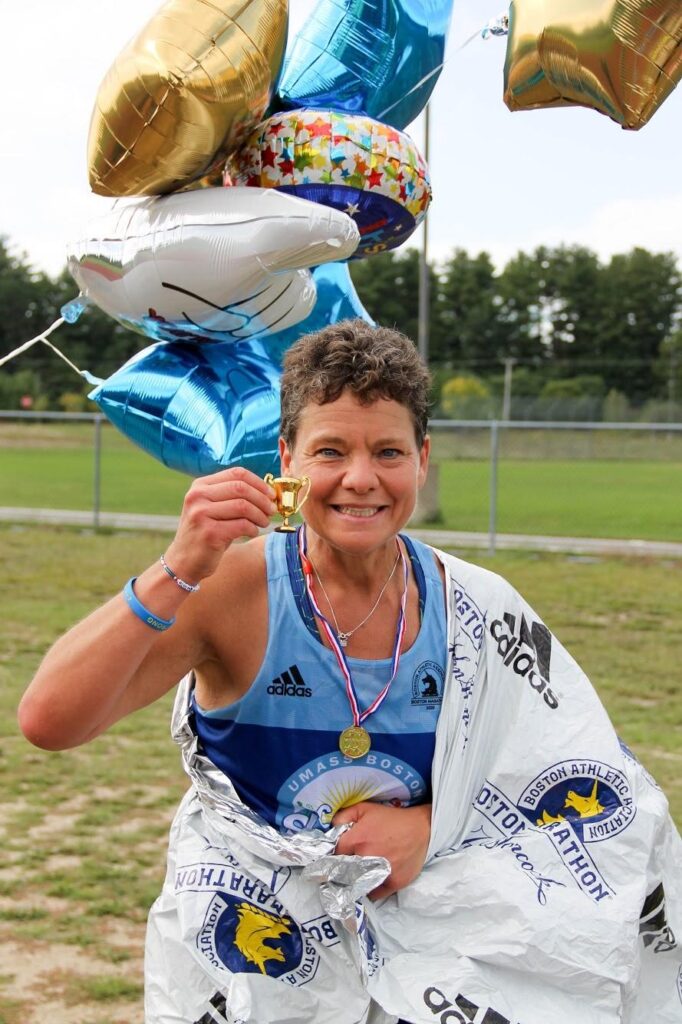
(286, 490)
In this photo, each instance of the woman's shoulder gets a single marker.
(471, 577)
(241, 573)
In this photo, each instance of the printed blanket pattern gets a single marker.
(551, 893)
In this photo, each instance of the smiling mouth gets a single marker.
(360, 513)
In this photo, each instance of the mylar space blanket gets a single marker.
(551, 892)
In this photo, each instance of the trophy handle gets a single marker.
(306, 481)
(268, 478)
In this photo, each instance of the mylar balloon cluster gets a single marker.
(621, 57)
(217, 274)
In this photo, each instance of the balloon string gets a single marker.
(81, 373)
(498, 26)
(436, 71)
(27, 344)
(43, 337)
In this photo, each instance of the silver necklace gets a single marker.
(344, 636)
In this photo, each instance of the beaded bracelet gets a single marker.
(136, 606)
(188, 587)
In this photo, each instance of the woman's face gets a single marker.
(365, 469)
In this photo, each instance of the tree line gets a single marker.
(570, 325)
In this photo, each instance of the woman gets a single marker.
(327, 699)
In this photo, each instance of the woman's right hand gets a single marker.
(216, 511)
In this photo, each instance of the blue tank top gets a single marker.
(279, 743)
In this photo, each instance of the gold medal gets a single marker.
(354, 741)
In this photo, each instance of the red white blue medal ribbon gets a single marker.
(358, 715)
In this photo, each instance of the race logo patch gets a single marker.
(245, 928)
(500, 811)
(323, 786)
(247, 939)
(590, 795)
(427, 685)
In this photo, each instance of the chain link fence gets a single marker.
(77, 462)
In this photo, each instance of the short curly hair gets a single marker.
(371, 362)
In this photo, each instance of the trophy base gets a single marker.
(285, 529)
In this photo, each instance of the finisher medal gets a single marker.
(354, 741)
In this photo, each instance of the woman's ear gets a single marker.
(284, 457)
(424, 461)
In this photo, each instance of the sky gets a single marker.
(502, 181)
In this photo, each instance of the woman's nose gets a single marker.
(360, 474)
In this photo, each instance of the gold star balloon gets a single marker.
(620, 57)
(195, 80)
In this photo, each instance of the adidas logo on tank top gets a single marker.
(290, 684)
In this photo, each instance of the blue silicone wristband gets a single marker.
(143, 613)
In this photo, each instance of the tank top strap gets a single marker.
(297, 581)
(287, 555)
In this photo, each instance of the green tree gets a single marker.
(640, 297)
(468, 313)
(572, 310)
(526, 293)
(465, 397)
(388, 286)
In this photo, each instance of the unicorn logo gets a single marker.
(255, 928)
(586, 806)
(592, 797)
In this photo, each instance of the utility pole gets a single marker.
(672, 373)
(506, 399)
(423, 337)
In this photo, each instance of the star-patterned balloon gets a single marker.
(620, 57)
(357, 165)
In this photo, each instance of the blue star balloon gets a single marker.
(337, 300)
(198, 408)
(381, 58)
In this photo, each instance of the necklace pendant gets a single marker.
(343, 639)
(354, 741)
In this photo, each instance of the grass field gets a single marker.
(83, 832)
(47, 466)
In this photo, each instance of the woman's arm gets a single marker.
(112, 662)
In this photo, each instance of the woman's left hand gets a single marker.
(400, 834)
